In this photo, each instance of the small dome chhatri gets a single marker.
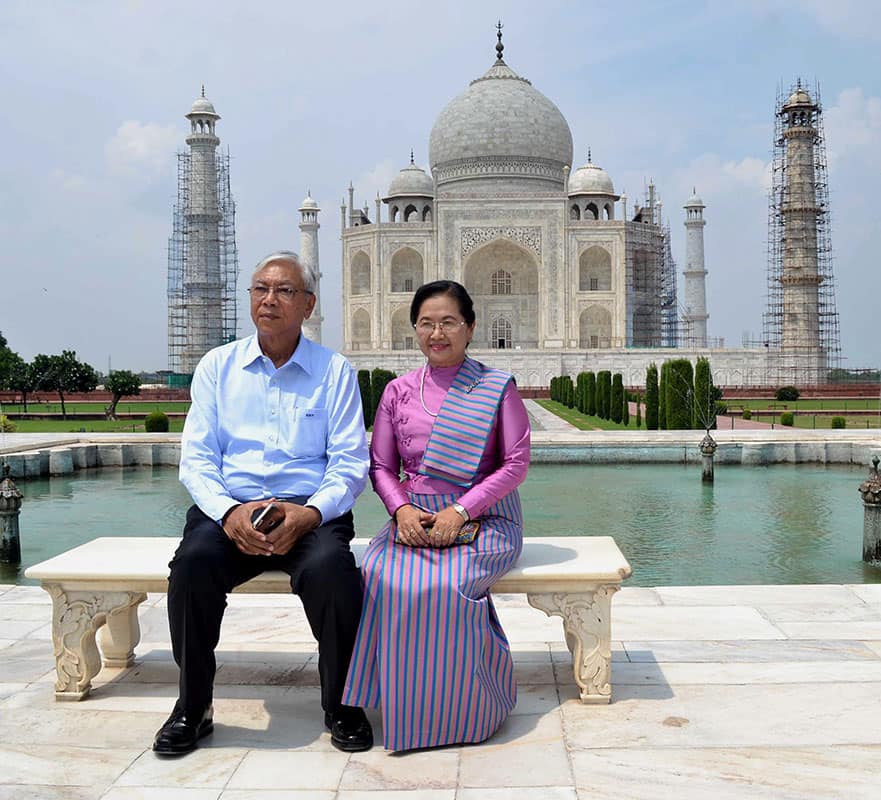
(591, 179)
(411, 181)
(309, 203)
(203, 107)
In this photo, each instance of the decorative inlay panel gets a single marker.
(528, 237)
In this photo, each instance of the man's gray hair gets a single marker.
(289, 257)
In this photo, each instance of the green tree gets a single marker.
(662, 397)
(591, 394)
(625, 410)
(64, 374)
(22, 379)
(7, 362)
(651, 397)
(120, 383)
(364, 389)
(616, 410)
(638, 410)
(704, 416)
(680, 394)
(604, 392)
(379, 379)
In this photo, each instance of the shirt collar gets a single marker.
(302, 356)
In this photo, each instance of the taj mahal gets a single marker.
(565, 276)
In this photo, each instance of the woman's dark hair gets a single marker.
(455, 290)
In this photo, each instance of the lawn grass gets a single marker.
(87, 426)
(124, 407)
(584, 422)
(826, 403)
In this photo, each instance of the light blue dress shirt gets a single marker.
(256, 431)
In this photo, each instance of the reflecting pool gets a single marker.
(775, 524)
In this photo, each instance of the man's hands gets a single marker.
(297, 521)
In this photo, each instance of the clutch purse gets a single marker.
(467, 533)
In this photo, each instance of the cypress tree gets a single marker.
(591, 391)
(625, 410)
(704, 397)
(662, 398)
(604, 392)
(680, 394)
(616, 403)
(651, 397)
(364, 389)
(638, 410)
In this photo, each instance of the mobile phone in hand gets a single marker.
(265, 519)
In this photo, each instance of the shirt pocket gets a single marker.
(308, 432)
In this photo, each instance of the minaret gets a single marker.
(695, 273)
(202, 282)
(309, 254)
(800, 278)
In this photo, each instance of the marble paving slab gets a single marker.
(729, 715)
(695, 622)
(747, 651)
(698, 773)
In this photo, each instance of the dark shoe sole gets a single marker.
(161, 750)
(351, 747)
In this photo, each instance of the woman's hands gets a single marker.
(412, 521)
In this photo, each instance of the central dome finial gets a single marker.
(499, 47)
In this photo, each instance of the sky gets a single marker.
(313, 95)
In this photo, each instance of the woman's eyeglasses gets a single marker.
(426, 328)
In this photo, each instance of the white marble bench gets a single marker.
(99, 585)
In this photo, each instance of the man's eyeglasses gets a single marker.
(426, 328)
(283, 293)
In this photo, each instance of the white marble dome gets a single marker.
(694, 202)
(590, 179)
(203, 107)
(308, 203)
(501, 118)
(412, 181)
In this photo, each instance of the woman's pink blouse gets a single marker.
(401, 430)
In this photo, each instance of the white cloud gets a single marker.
(377, 179)
(853, 128)
(711, 175)
(141, 149)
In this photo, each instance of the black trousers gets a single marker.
(207, 565)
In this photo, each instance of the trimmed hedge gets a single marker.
(787, 418)
(787, 393)
(616, 410)
(156, 422)
(839, 422)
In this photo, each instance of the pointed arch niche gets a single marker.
(595, 328)
(406, 270)
(595, 270)
(502, 278)
(359, 276)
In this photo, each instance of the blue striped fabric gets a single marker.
(430, 649)
(459, 434)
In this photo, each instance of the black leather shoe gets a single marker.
(181, 732)
(350, 729)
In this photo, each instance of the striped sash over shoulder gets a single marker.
(464, 421)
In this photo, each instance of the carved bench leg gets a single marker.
(76, 616)
(587, 623)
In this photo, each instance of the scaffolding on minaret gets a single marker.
(181, 327)
(800, 324)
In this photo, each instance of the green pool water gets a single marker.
(775, 524)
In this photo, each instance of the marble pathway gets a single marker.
(719, 692)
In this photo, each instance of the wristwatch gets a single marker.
(462, 510)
